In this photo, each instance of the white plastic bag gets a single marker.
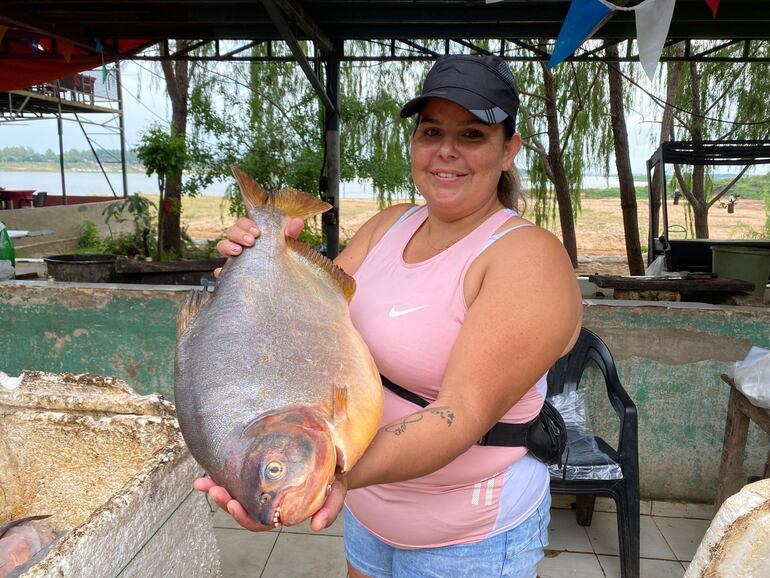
(657, 268)
(6, 270)
(752, 377)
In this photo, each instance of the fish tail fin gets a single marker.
(298, 204)
(345, 282)
(253, 194)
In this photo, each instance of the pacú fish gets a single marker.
(23, 542)
(275, 389)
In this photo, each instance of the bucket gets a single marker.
(750, 264)
(81, 268)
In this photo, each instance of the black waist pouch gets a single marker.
(545, 436)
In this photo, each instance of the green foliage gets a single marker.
(71, 157)
(142, 212)
(584, 140)
(162, 152)
(88, 236)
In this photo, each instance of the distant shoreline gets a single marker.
(55, 168)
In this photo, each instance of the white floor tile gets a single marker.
(564, 533)
(304, 528)
(566, 565)
(306, 556)
(604, 504)
(562, 501)
(243, 554)
(683, 510)
(683, 535)
(603, 533)
(647, 568)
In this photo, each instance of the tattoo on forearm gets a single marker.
(399, 427)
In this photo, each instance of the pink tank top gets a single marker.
(410, 314)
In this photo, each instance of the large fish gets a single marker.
(23, 542)
(274, 387)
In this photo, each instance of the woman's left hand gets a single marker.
(332, 507)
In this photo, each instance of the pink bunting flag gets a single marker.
(653, 19)
(66, 49)
(714, 5)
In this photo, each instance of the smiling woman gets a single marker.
(466, 304)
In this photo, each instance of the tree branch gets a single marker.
(729, 186)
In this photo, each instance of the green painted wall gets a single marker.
(128, 333)
(669, 359)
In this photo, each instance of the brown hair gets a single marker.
(509, 191)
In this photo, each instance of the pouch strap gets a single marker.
(501, 434)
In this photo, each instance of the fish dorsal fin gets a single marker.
(195, 301)
(345, 281)
(253, 194)
(298, 204)
(8, 525)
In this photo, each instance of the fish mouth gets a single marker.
(270, 515)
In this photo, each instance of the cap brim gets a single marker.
(475, 104)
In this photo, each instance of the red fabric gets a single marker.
(714, 5)
(33, 59)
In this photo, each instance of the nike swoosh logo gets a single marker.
(394, 313)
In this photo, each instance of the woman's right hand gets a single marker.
(222, 498)
(245, 232)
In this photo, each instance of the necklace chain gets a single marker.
(444, 245)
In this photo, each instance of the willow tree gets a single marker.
(267, 117)
(719, 101)
(561, 114)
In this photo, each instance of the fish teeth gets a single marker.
(277, 517)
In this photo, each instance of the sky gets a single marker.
(146, 102)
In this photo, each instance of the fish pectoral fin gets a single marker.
(251, 191)
(195, 302)
(345, 282)
(340, 409)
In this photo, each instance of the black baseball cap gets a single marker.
(484, 85)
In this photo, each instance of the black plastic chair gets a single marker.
(565, 376)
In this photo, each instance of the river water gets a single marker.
(91, 183)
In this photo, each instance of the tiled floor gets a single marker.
(670, 534)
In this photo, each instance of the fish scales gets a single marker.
(275, 337)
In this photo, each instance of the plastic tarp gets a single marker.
(29, 59)
(582, 459)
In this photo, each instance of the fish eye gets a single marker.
(274, 470)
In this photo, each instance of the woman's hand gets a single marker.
(332, 507)
(223, 499)
(245, 232)
(322, 519)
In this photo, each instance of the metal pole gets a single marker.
(61, 148)
(122, 130)
(330, 219)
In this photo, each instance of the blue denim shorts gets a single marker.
(511, 554)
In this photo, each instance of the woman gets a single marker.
(463, 302)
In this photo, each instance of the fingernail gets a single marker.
(237, 249)
(248, 238)
(254, 231)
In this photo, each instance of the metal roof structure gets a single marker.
(329, 22)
